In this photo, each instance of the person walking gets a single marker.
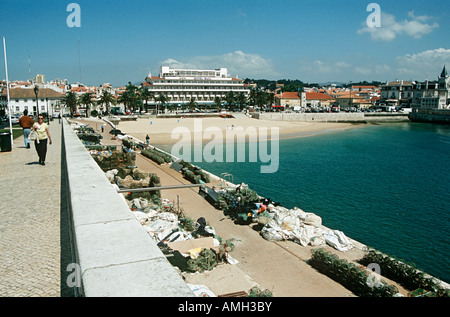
(43, 135)
(147, 138)
(26, 123)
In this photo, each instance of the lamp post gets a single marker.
(48, 117)
(36, 90)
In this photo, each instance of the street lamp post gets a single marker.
(48, 117)
(36, 90)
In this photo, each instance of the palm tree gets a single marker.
(125, 99)
(106, 99)
(218, 102)
(192, 104)
(85, 99)
(241, 100)
(253, 96)
(71, 101)
(230, 98)
(146, 95)
(132, 96)
(162, 99)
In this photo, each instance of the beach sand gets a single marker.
(166, 131)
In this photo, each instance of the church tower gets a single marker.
(444, 87)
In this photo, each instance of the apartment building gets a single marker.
(203, 86)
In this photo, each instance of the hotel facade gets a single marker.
(203, 86)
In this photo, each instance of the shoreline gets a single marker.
(358, 246)
(216, 130)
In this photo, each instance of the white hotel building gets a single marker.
(180, 85)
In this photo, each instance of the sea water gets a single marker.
(386, 186)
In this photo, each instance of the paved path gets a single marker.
(34, 248)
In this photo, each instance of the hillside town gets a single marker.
(189, 90)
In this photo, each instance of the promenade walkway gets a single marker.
(34, 245)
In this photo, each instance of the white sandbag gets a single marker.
(298, 213)
(312, 219)
(151, 213)
(111, 175)
(271, 234)
(287, 221)
(338, 240)
(308, 235)
(141, 216)
(140, 203)
(168, 216)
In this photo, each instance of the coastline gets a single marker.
(160, 130)
(299, 132)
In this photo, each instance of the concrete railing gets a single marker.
(114, 253)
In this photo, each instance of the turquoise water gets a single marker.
(386, 186)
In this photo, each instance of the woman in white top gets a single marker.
(40, 143)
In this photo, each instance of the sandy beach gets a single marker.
(166, 131)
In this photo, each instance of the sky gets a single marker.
(316, 41)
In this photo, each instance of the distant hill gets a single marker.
(294, 84)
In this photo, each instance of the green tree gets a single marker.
(133, 97)
(106, 99)
(230, 99)
(71, 101)
(253, 96)
(241, 100)
(146, 95)
(85, 100)
(218, 102)
(162, 99)
(192, 104)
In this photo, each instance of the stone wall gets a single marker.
(115, 255)
(356, 117)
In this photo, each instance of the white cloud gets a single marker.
(415, 26)
(238, 63)
(426, 64)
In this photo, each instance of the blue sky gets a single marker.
(314, 41)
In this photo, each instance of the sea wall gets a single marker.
(356, 117)
(431, 116)
(114, 254)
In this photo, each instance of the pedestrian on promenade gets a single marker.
(59, 118)
(43, 135)
(147, 138)
(26, 123)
